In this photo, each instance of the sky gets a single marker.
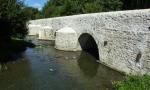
(35, 3)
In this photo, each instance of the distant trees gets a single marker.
(136, 4)
(111, 5)
(12, 20)
(70, 7)
(14, 16)
(32, 13)
(55, 8)
(13, 24)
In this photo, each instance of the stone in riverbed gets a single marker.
(51, 70)
(66, 58)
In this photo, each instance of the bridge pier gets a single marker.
(67, 40)
(34, 29)
(45, 33)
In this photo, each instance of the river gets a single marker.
(45, 68)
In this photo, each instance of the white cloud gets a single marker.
(37, 5)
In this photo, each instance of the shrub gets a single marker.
(133, 83)
(12, 20)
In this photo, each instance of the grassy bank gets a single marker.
(133, 83)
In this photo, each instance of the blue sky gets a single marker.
(35, 3)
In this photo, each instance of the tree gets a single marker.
(13, 20)
(92, 7)
(55, 8)
(111, 5)
(32, 13)
(135, 4)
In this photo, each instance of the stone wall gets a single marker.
(127, 34)
(66, 39)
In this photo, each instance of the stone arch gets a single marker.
(88, 44)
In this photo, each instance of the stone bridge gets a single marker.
(120, 40)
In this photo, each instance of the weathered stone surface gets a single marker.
(127, 34)
(66, 39)
(34, 29)
(46, 33)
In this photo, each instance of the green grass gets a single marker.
(133, 83)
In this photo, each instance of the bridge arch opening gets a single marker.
(89, 45)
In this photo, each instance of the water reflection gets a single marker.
(16, 77)
(88, 64)
(49, 69)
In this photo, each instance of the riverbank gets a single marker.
(45, 68)
(133, 83)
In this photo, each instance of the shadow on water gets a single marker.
(12, 50)
(96, 72)
(46, 68)
(88, 64)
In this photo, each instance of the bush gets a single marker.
(13, 20)
(13, 24)
(55, 8)
(133, 83)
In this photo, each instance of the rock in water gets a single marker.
(74, 57)
(66, 58)
(51, 70)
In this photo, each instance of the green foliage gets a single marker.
(136, 4)
(92, 7)
(55, 8)
(111, 5)
(13, 47)
(71, 7)
(32, 13)
(133, 83)
(12, 20)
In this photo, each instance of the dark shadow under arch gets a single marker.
(89, 45)
(88, 64)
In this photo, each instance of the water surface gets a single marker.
(45, 68)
